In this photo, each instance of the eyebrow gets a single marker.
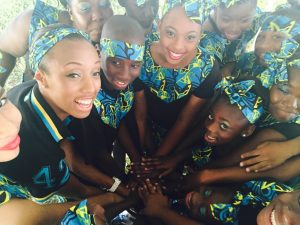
(80, 64)
(191, 31)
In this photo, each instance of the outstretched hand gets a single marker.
(155, 202)
(266, 156)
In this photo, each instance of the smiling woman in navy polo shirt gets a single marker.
(66, 69)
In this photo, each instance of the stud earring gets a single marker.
(244, 135)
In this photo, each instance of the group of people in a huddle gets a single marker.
(161, 116)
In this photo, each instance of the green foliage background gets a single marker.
(11, 8)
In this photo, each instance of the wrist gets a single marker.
(115, 185)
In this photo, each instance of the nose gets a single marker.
(292, 103)
(90, 84)
(178, 44)
(212, 127)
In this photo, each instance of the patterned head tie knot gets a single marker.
(121, 49)
(197, 11)
(240, 94)
(277, 62)
(48, 40)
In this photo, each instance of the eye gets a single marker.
(170, 33)
(3, 101)
(115, 62)
(246, 20)
(104, 4)
(210, 117)
(73, 75)
(224, 126)
(225, 19)
(283, 88)
(96, 74)
(84, 7)
(191, 37)
(277, 37)
(136, 65)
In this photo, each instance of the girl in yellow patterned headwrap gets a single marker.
(229, 28)
(177, 77)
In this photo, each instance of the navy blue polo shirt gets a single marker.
(40, 167)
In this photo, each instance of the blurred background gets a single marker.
(11, 8)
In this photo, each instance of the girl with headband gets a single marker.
(177, 78)
(228, 30)
(66, 83)
(88, 16)
(274, 62)
(122, 50)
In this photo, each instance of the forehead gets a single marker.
(244, 9)
(231, 113)
(178, 19)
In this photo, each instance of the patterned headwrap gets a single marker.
(43, 44)
(121, 49)
(239, 94)
(277, 62)
(228, 3)
(196, 10)
(256, 194)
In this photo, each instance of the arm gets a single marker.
(88, 172)
(127, 144)
(21, 211)
(181, 125)
(283, 173)
(13, 43)
(141, 112)
(235, 154)
(270, 154)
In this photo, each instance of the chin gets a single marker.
(7, 156)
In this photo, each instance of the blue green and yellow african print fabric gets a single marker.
(78, 215)
(39, 47)
(42, 16)
(241, 95)
(172, 84)
(253, 193)
(112, 109)
(10, 189)
(121, 49)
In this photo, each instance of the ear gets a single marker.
(248, 131)
(41, 78)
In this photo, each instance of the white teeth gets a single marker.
(175, 55)
(121, 83)
(273, 221)
(85, 102)
(211, 138)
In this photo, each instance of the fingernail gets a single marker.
(241, 164)
(248, 169)
(256, 171)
